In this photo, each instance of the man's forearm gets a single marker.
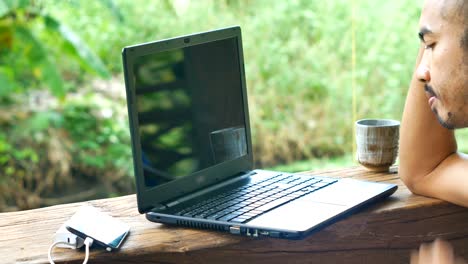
(448, 181)
(424, 143)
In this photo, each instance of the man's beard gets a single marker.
(445, 123)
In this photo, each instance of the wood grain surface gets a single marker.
(385, 232)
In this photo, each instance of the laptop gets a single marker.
(192, 149)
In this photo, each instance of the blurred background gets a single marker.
(312, 68)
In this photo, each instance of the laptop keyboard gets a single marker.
(249, 201)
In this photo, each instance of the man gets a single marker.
(436, 104)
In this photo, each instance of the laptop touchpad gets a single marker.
(347, 192)
(300, 215)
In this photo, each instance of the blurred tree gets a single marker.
(25, 59)
(46, 149)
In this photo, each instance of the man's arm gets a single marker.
(429, 162)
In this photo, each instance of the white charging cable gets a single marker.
(87, 243)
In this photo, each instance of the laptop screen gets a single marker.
(189, 108)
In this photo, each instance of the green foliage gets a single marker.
(100, 140)
(298, 68)
(44, 144)
(298, 61)
(315, 164)
(44, 152)
(22, 22)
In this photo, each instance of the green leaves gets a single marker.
(41, 121)
(6, 81)
(43, 68)
(7, 6)
(113, 8)
(4, 8)
(76, 47)
(30, 58)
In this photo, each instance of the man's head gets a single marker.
(444, 64)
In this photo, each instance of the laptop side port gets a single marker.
(252, 232)
(263, 233)
(236, 230)
(255, 233)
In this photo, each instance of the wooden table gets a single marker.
(382, 233)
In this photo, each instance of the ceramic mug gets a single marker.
(377, 143)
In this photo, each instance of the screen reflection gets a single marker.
(190, 109)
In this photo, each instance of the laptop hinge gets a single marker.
(185, 198)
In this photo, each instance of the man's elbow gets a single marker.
(410, 178)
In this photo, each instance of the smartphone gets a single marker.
(105, 230)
